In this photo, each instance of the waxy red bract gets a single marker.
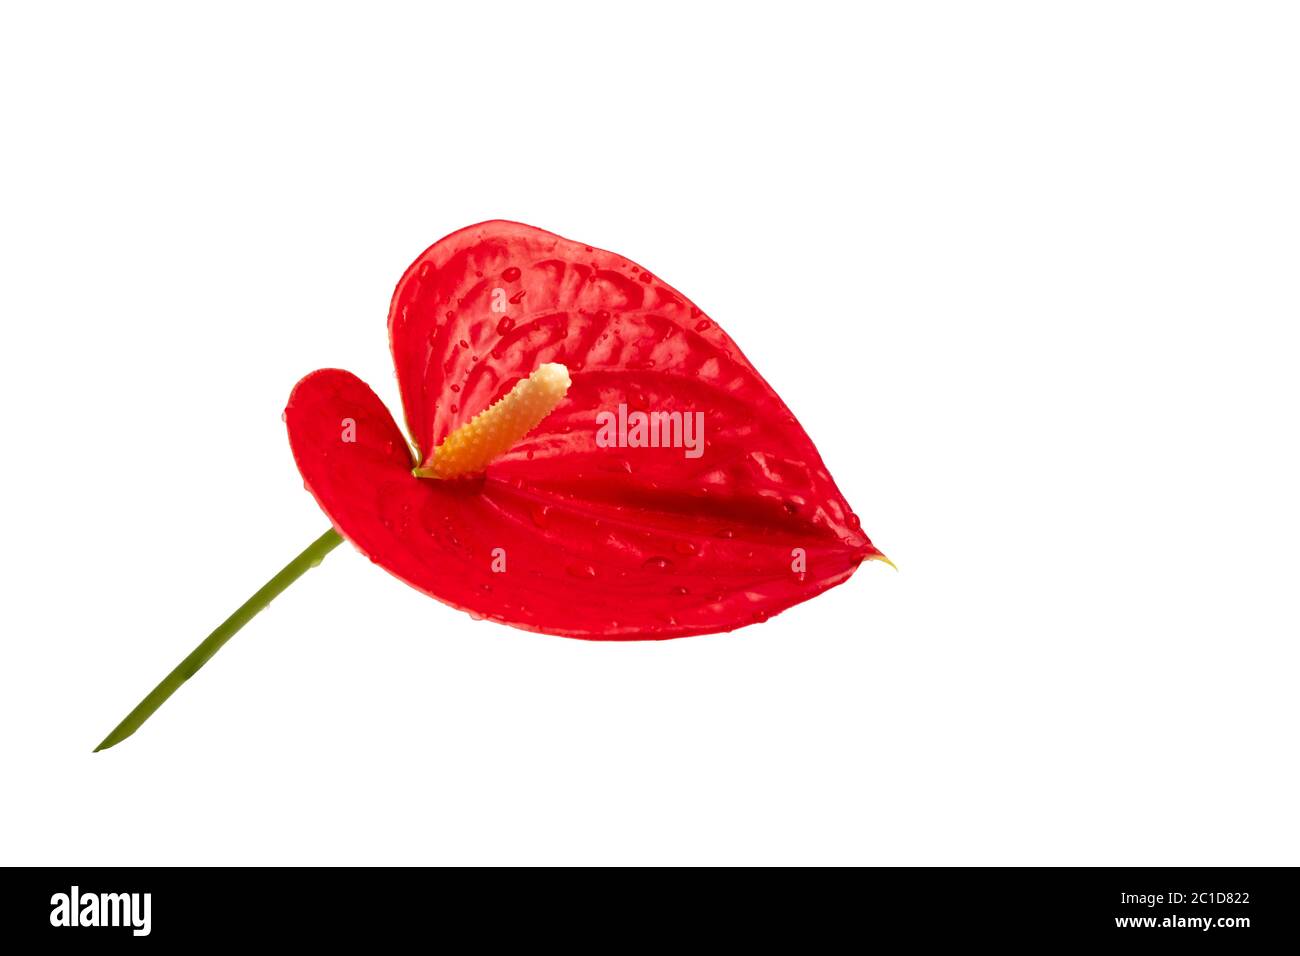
(595, 542)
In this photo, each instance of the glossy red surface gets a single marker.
(595, 542)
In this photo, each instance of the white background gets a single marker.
(1027, 274)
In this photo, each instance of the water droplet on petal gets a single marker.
(580, 570)
(657, 563)
(505, 325)
(511, 274)
(685, 547)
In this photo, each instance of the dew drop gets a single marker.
(725, 533)
(656, 563)
(701, 325)
(455, 388)
(541, 515)
(679, 589)
(685, 547)
(854, 521)
(505, 325)
(511, 274)
(581, 570)
(451, 315)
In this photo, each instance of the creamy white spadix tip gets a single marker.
(494, 431)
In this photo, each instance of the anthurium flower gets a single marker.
(590, 455)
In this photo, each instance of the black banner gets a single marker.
(98, 908)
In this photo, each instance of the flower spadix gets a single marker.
(490, 434)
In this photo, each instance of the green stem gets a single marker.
(312, 556)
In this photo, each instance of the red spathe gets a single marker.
(565, 534)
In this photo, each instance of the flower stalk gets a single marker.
(310, 557)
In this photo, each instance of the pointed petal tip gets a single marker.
(880, 557)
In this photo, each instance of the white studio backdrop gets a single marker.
(1025, 272)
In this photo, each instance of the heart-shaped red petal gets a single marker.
(577, 530)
